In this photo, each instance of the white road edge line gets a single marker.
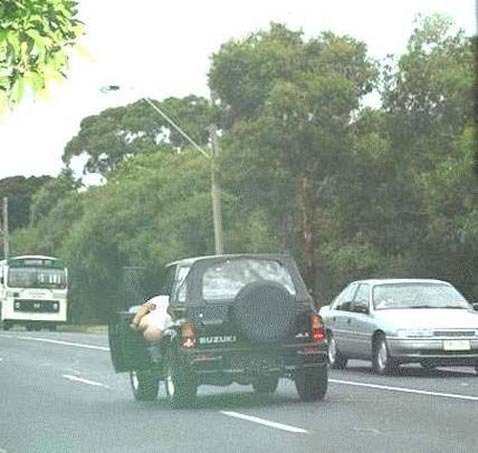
(85, 381)
(262, 421)
(405, 390)
(65, 343)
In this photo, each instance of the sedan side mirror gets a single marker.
(361, 309)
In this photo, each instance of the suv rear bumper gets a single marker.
(251, 362)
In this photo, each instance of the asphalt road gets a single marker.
(59, 393)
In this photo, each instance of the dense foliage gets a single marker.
(306, 167)
(34, 38)
(20, 192)
(119, 133)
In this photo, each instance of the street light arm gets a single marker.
(215, 190)
(170, 121)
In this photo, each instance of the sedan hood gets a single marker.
(442, 318)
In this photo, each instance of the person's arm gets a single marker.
(143, 310)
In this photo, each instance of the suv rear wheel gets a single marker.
(265, 384)
(311, 383)
(180, 384)
(145, 385)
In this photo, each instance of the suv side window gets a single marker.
(344, 299)
(180, 284)
(361, 300)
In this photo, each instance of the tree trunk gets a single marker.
(306, 232)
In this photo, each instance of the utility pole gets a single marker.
(216, 193)
(215, 190)
(5, 228)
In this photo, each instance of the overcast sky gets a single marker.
(161, 49)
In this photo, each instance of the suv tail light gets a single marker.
(317, 331)
(188, 334)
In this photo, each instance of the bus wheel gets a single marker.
(52, 327)
(6, 325)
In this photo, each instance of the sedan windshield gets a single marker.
(36, 278)
(224, 280)
(417, 295)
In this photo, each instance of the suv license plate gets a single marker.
(262, 365)
(456, 345)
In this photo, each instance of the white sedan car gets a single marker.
(397, 321)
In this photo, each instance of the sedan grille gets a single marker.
(454, 333)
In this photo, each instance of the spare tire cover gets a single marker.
(264, 311)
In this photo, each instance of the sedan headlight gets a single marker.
(415, 333)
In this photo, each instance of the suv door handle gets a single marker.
(349, 321)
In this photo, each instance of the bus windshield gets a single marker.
(26, 277)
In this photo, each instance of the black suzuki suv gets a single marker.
(237, 318)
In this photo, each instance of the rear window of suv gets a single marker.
(225, 279)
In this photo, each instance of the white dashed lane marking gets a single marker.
(265, 422)
(65, 343)
(85, 381)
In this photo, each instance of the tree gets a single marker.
(428, 103)
(153, 209)
(34, 39)
(292, 103)
(51, 194)
(20, 192)
(429, 93)
(119, 133)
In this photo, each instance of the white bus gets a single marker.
(33, 292)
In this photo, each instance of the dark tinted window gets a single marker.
(169, 281)
(36, 277)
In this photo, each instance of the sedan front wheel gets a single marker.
(382, 362)
(336, 359)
